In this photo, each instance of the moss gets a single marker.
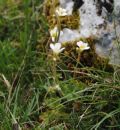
(49, 7)
(103, 63)
(88, 57)
(53, 117)
(71, 21)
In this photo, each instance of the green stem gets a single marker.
(78, 60)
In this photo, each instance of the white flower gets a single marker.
(60, 11)
(54, 33)
(56, 48)
(57, 87)
(82, 46)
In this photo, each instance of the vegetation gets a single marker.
(38, 93)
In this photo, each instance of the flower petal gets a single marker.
(62, 49)
(57, 46)
(53, 39)
(61, 33)
(52, 46)
(87, 48)
(54, 31)
(80, 43)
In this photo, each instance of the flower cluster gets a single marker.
(55, 33)
(57, 47)
(61, 12)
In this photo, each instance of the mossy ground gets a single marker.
(90, 95)
(71, 21)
